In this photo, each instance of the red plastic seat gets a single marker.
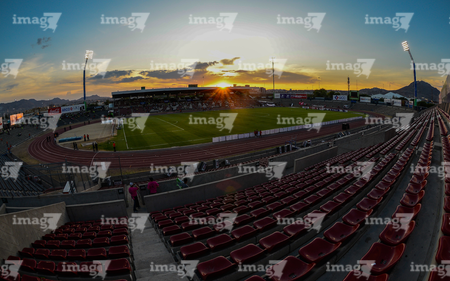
(118, 240)
(355, 216)
(339, 232)
(180, 239)
(259, 213)
(215, 268)
(67, 244)
(97, 254)
(243, 220)
(443, 251)
(117, 252)
(84, 243)
(439, 275)
(66, 269)
(311, 200)
(46, 267)
(42, 254)
(194, 251)
(411, 200)
(290, 268)
(376, 193)
(385, 256)
(28, 265)
(296, 229)
(118, 267)
(104, 233)
(243, 233)
(202, 233)
(342, 197)
(100, 242)
(319, 249)
(396, 233)
(74, 236)
(220, 242)
(53, 244)
(407, 212)
(415, 188)
(359, 276)
(265, 224)
(445, 226)
(39, 244)
(171, 230)
(58, 255)
(247, 254)
(330, 207)
(274, 241)
(76, 254)
(299, 207)
(27, 253)
(367, 204)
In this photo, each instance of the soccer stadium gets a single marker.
(230, 166)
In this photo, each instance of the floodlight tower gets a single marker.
(406, 48)
(87, 56)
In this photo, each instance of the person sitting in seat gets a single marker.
(182, 183)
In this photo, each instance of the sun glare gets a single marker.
(223, 85)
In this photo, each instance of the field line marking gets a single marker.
(126, 142)
(169, 123)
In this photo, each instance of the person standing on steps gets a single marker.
(114, 145)
(88, 137)
(96, 146)
(84, 137)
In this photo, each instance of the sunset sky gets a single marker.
(223, 50)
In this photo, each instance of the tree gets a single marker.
(320, 93)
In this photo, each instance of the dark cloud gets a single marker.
(131, 79)
(113, 74)
(43, 42)
(204, 65)
(163, 74)
(228, 61)
(11, 86)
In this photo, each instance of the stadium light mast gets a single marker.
(87, 56)
(406, 48)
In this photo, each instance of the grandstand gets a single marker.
(333, 205)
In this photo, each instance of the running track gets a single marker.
(48, 152)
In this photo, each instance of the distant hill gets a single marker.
(23, 105)
(424, 91)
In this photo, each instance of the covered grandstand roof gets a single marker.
(185, 90)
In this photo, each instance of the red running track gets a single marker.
(49, 152)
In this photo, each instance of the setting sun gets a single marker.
(223, 85)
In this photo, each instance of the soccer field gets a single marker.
(171, 130)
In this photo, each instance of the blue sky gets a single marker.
(254, 38)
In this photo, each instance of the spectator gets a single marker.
(88, 137)
(260, 133)
(84, 137)
(133, 192)
(96, 146)
(182, 183)
(74, 145)
(152, 186)
(93, 147)
(114, 146)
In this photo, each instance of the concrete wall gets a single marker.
(357, 141)
(204, 178)
(3, 209)
(15, 236)
(302, 163)
(69, 199)
(205, 191)
(94, 211)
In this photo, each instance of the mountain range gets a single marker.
(23, 104)
(424, 91)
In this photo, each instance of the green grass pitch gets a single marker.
(171, 130)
